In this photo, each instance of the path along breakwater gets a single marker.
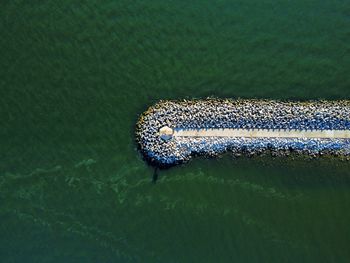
(170, 132)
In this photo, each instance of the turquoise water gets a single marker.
(74, 78)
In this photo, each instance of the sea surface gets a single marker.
(76, 75)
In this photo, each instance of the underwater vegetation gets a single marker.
(57, 200)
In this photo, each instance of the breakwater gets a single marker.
(170, 132)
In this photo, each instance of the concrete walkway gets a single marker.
(263, 133)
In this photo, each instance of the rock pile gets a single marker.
(240, 114)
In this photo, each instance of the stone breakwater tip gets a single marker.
(171, 132)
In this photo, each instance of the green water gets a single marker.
(74, 78)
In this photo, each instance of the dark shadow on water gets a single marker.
(294, 171)
(155, 175)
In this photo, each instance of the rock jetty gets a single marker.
(157, 128)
